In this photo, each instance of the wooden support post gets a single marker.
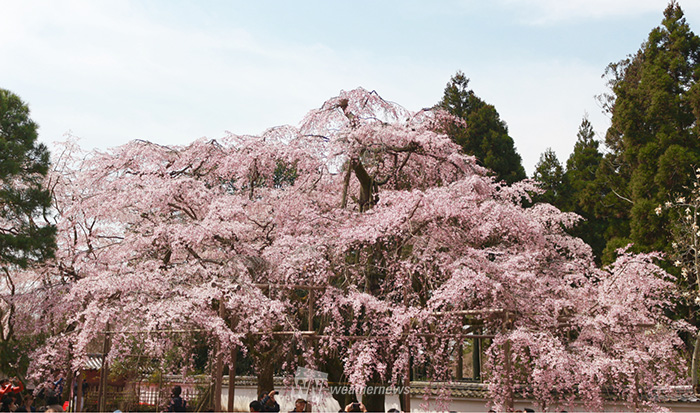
(405, 397)
(476, 358)
(232, 378)
(406, 390)
(79, 397)
(71, 394)
(102, 403)
(509, 375)
(510, 382)
(219, 372)
(407, 378)
(232, 370)
(311, 311)
(160, 387)
(459, 368)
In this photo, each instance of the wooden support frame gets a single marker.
(219, 374)
(103, 372)
(309, 334)
(79, 390)
(476, 358)
(232, 378)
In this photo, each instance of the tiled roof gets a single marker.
(474, 390)
(93, 362)
(466, 390)
(675, 394)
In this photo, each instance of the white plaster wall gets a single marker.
(286, 398)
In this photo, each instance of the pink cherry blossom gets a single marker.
(396, 228)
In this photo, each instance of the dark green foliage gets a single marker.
(23, 201)
(581, 169)
(550, 175)
(653, 140)
(485, 135)
(285, 175)
(14, 355)
(584, 194)
(25, 236)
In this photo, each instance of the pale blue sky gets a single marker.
(175, 71)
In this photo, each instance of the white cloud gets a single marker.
(116, 71)
(111, 72)
(556, 11)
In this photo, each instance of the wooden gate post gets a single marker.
(103, 372)
(79, 396)
(508, 324)
(476, 357)
(509, 374)
(232, 378)
(219, 373)
(459, 368)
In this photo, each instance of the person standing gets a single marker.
(177, 404)
(255, 406)
(299, 406)
(8, 386)
(268, 402)
(8, 403)
(26, 405)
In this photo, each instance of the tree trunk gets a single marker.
(334, 367)
(405, 394)
(365, 186)
(104, 372)
(374, 397)
(346, 184)
(219, 371)
(509, 374)
(696, 347)
(694, 365)
(265, 375)
(232, 378)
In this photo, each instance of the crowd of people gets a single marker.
(15, 398)
(267, 403)
(11, 398)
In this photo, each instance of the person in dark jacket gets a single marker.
(26, 405)
(268, 402)
(176, 402)
(255, 406)
(8, 403)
